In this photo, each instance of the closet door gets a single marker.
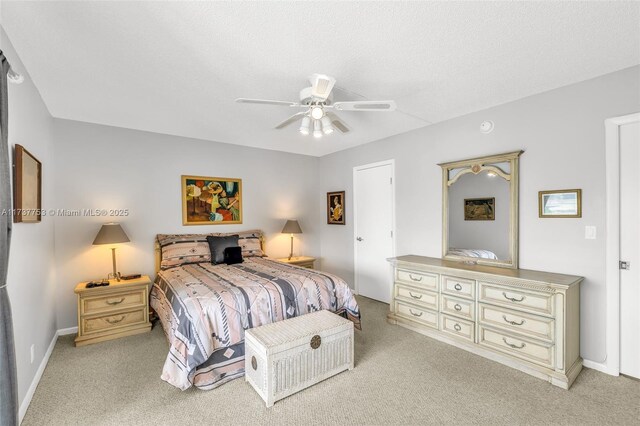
(373, 228)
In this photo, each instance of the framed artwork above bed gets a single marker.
(211, 200)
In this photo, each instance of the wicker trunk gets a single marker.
(285, 357)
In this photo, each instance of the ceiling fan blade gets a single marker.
(321, 85)
(294, 117)
(338, 123)
(365, 106)
(265, 102)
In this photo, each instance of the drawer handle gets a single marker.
(504, 317)
(457, 286)
(116, 302)
(415, 279)
(419, 314)
(457, 327)
(414, 296)
(513, 299)
(457, 307)
(115, 321)
(504, 339)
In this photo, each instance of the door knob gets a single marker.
(359, 239)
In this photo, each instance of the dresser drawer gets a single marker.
(112, 321)
(458, 307)
(97, 304)
(419, 297)
(423, 316)
(422, 279)
(530, 325)
(457, 327)
(460, 287)
(520, 346)
(517, 298)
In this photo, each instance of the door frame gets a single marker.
(612, 125)
(392, 163)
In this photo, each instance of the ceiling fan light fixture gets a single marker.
(317, 112)
(304, 126)
(317, 129)
(327, 127)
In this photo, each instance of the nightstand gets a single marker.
(117, 310)
(303, 261)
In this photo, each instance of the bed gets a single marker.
(479, 253)
(205, 308)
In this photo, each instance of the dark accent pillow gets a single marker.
(233, 255)
(217, 246)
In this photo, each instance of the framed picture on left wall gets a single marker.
(27, 187)
(211, 200)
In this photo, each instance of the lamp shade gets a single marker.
(292, 227)
(111, 233)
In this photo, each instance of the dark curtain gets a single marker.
(8, 377)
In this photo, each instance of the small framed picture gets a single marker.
(560, 203)
(335, 208)
(479, 209)
(27, 193)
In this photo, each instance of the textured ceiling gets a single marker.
(176, 67)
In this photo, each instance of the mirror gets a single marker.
(480, 210)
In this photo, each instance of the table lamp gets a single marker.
(291, 227)
(111, 233)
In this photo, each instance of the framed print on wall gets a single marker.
(479, 209)
(27, 191)
(335, 208)
(560, 203)
(211, 200)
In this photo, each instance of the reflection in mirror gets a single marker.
(479, 216)
(480, 210)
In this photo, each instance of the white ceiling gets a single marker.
(176, 67)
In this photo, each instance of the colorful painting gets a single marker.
(335, 208)
(211, 200)
(479, 209)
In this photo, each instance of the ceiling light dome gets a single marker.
(327, 127)
(317, 129)
(304, 126)
(317, 112)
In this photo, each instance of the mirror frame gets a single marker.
(475, 166)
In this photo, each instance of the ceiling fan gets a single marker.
(316, 103)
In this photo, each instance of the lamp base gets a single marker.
(115, 274)
(291, 252)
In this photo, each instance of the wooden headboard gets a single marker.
(157, 252)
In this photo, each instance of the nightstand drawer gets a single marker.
(110, 302)
(112, 321)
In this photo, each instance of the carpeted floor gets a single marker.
(400, 378)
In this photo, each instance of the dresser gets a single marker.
(117, 310)
(528, 320)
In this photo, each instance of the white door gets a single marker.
(630, 249)
(373, 228)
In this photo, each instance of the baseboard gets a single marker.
(599, 366)
(43, 364)
(65, 331)
(36, 379)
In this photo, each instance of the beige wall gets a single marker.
(562, 134)
(31, 282)
(102, 167)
